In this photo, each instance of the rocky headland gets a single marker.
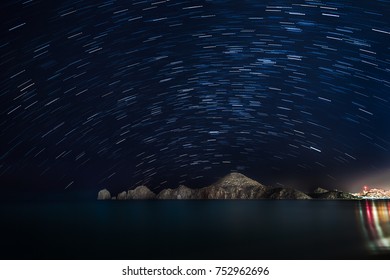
(233, 186)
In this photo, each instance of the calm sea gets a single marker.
(195, 230)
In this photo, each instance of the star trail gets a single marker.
(121, 93)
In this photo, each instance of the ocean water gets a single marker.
(195, 230)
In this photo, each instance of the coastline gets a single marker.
(236, 186)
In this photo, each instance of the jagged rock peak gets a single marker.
(104, 195)
(233, 186)
(236, 179)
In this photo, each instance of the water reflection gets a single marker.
(374, 218)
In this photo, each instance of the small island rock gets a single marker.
(104, 195)
(122, 196)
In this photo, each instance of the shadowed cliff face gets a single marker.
(232, 186)
(285, 193)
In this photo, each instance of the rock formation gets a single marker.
(140, 192)
(233, 186)
(320, 190)
(182, 192)
(320, 193)
(104, 195)
(337, 195)
(122, 196)
(286, 193)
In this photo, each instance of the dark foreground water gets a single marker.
(195, 230)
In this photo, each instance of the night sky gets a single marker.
(114, 94)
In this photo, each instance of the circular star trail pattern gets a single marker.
(121, 93)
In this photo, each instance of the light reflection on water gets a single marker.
(374, 218)
(196, 230)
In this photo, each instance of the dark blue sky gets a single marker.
(119, 93)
